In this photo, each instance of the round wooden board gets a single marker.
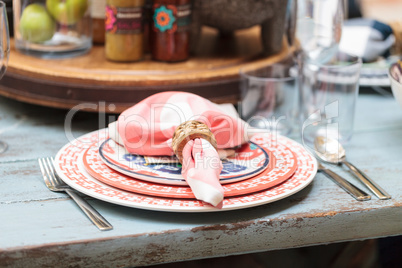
(90, 79)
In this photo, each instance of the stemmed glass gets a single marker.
(4, 51)
(319, 28)
(318, 32)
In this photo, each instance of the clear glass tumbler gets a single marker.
(328, 98)
(52, 28)
(269, 98)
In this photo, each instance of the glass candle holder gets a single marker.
(52, 28)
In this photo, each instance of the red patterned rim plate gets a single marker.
(249, 160)
(71, 170)
(282, 166)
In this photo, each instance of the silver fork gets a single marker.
(54, 183)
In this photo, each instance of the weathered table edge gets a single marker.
(203, 242)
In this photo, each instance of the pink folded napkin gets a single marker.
(201, 169)
(147, 129)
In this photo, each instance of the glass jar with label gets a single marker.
(170, 30)
(52, 28)
(98, 21)
(124, 30)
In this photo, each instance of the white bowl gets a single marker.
(396, 85)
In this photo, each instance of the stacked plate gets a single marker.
(266, 169)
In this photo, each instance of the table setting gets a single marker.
(177, 176)
(262, 170)
(265, 167)
(178, 152)
(306, 216)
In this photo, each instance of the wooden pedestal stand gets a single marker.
(211, 73)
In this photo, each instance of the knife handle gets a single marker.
(358, 194)
(374, 187)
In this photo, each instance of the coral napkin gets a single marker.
(148, 127)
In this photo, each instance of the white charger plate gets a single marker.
(71, 170)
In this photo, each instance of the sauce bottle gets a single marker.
(170, 30)
(98, 21)
(124, 30)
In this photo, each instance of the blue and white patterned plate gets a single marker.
(376, 73)
(248, 161)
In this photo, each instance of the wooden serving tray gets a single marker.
(212, 73)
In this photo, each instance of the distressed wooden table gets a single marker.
(40, 228)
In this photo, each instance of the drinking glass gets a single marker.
(269, 98)
(318, 33)
(329, 94)
(4, 51)
(319, 28)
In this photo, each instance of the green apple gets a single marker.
(36, 25)
(67, 12)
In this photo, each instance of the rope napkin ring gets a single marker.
(190, 130)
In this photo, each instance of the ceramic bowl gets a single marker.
(395, 76)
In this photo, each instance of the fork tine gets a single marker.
(59, 181)
(44, 172)
(52, 172)
(51, 159)
(49, 172)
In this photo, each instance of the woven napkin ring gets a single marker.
(190, 130)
